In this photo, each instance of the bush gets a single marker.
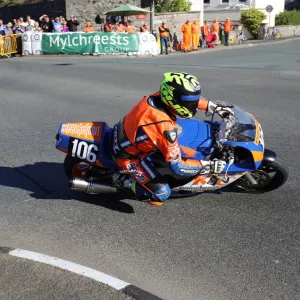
(288, 18)
(252, 19)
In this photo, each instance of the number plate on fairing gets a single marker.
(83, 150)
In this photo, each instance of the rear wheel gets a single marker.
(270, 176)
(75, 168)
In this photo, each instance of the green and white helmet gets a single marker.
(181, 93)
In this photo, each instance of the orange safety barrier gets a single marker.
(8, 44)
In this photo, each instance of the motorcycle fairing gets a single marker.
(92, 133)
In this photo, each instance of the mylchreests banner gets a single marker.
(83, 43)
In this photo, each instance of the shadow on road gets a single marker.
(46, 180)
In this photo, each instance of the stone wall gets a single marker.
(287, 31)
(90, 9)
(33, 8)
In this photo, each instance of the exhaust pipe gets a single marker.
(89, 187)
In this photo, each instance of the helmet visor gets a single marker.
(190, 103)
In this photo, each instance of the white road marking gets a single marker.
(72, 267)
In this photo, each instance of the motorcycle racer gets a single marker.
(151, 126)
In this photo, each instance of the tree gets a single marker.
(252, 19)
(172, 5)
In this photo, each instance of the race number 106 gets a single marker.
(84, 150)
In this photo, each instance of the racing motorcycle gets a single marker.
(238, 140)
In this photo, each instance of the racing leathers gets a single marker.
(149, 127)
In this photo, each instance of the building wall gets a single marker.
(35, 10)
(89, 9)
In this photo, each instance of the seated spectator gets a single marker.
(29, 22)
(72, 24)
(1, 27)
(46, 24)
(115, 27)
(8, 28)
(18, 28)
(124, 22)
(57, 26)
(65, 27)
(37, 27)
(89, 27)
(144, 28)
(130, 28)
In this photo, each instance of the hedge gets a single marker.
(288, 18)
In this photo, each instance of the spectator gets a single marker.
(187, 35)
(14, 22)
(130, 28)
(8, 28)
(215, 28)
(46, 24)
(195, 35)
(1, 27)
(22, 23)
(57, 26)
(29, 22)
(18, 28)
(144, 28)
(227, 28)
(89, 27)
(37, 27)
(65, 27)
(205, 30)
(164, 33)
(108, 27)
(115, 27)
(124, 22)
(72, 24)
(121, 28)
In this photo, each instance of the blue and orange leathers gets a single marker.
(149, 127)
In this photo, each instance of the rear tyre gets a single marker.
(270, 176)
(75, 168)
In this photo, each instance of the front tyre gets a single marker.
(270, 176)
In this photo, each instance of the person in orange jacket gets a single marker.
(108, 27)
(195, 35)
(121, 28)
(130, 27)
(215, 29)
(206, 30)
(145, 28)
(187, 35)
(89, 27)
(227, 28)
(150, 127)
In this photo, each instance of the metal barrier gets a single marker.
(8, 44)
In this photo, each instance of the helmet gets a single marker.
(180, 92)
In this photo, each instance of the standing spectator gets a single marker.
(1, 27)
(18, 28)
(65, 27)
(37, 27)
(206, 30)
(164, 34)
(57, 26)
(144, 28)
(195, 35)
(124, 22)
(130, 28)
(22, 23)
(187, 34)
(227, 28)
(121, 28)
(46, 24)
(108, 27)
(8, 28)
(215, 28)
(89, 27)
(29, 22)
(72, 24)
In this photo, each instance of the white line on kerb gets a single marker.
(72, 267)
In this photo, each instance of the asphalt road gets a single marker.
(211, 247)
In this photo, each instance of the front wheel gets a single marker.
(270, 176)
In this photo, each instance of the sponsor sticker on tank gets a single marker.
(87, 131)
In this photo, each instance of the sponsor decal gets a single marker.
(115, 143)
(179, 129)
(161, 194)
(187, 171)
(134, 170)
(175, 154)
(171, 135)
(87, 131)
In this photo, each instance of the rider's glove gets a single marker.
(222, 108)
(215, 166)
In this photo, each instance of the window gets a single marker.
(243, 1)
(206, 1)
(225, 1)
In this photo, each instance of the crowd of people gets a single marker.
(124, 26)
(195, 36)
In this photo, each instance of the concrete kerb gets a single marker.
(120, 285)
